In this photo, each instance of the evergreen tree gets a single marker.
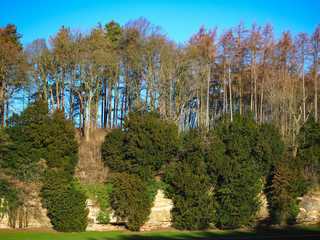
(130, 200)
(237, 194)
(36, 138)
(27, 133)
(38, 141)
(192, 180)
(309, 150)
(268, 148)
(144, 146)
(65, 203)
(286, 185)
(238, 184)
(193, 205)
(61, 146)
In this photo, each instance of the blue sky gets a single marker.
(41, 19)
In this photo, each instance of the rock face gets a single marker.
(309, 209)
(160, 215)
(263, 212)
(37, 216)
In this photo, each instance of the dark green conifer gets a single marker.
(130, 200)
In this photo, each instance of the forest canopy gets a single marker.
(98, 77)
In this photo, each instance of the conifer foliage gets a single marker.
(238, 183)
(286, 186)
(136, 153)
(142, 146)
(191, 181)
(42, 147)
(65, 203)
(130, 200)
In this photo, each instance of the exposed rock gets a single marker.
(160, 212)
(37, 216)
(93, 212)
(309, 209)
(160, 216)
(263, 212)
(105, 227)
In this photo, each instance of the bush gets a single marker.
(239, 177)
(65, 203)
(309, 151)
(193, 206)
(130, 200)
(192, 180)
(9, 201)
(101, 193)
(286, 185)
(142, 147)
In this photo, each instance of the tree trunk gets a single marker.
(110, 103)
(208, 96)
(230, 93)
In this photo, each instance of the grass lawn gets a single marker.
(296, 233)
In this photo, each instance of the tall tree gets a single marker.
(315, 49)
(114, 34)
(11, 62)
(254, 43)
(61, 45)
(302, 43)
(203, 42)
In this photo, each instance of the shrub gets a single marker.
(193, 206)
(142, 147)
(192, 181)
(286, 185)
(9, 201)
(239, 177)
(130, 200)
(65, 203)
(101, 193)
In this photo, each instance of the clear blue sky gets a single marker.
(41, 19)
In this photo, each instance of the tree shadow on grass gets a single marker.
(267, 233)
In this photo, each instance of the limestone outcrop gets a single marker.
(160, 214)
(309, 209)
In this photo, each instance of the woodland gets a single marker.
(219, 119)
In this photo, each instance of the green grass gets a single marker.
(121, 235)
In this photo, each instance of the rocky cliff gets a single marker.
(160, 214)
